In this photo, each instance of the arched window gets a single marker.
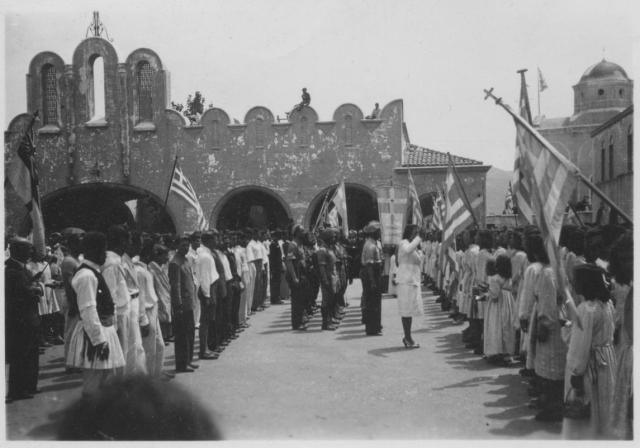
(611, 170)
(603, 159)
(144, 80)
(304, 138)
(96, 108)
(348, 130)
(630, 150)
(259, 132)
(49, 95)
(215, 134)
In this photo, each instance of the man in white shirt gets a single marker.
(151, 337)
(207, 275)
(116, 278)
(254, 256)
(192, 256)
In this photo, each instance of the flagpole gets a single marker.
(322, 209)
(462, 191)
(523, 88)
(173, 170)
(575, 213)
(539, 115)
(570, 166)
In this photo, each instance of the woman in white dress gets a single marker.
(591, 359)
(500, 321)
(408, 281)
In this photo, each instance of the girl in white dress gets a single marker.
(408, 281)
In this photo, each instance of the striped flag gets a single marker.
(521, 185)
(459, 215)
(439, 210)
(416, 210)
(339, 202)
(552, 179)
(22, 174)
(181, 186)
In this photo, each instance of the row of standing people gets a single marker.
(153, 285)
(561, 329)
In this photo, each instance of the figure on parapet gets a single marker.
(306, 100)
(374, 114)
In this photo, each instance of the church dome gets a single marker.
(604, 70)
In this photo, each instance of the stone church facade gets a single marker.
(93, 162)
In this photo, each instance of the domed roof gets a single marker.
(604, 69)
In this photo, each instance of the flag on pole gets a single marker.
(439, 210)
(552, 178)
(416, 210)
(520, 184)
(339, 202)
(508, 200)
(22, 174)
(459, 215)
(542, 84)
(181, 186)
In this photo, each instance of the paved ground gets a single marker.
(272, 383)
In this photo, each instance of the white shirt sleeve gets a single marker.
(85, 285)
(144, 297)
(114, 277)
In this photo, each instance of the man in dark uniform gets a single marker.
(216, 342)
(22, 321)
(328, 278)
(297, 278)
(275, 265)
(182, 298)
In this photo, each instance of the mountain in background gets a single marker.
(497, 184)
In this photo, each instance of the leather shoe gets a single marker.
(209, 356)
(168, 374)
(185, 370)
(193, 366)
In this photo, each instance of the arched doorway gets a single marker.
(362, 205)
(99, 205)
(251, 206)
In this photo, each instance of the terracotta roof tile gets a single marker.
(418, 156)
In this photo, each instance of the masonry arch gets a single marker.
(96, 206)
(251, 206)
(362, 205)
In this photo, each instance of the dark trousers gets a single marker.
(258, 289)
(235, 305)
(24, 362)
(207, 321)
(372, 302)
(220, 323)
(298, 303)
(184, 331)
(276, 279)
(312, 293)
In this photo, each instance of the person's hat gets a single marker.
(372, 227)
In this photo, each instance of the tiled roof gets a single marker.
(419, 156)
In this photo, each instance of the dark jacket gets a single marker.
(181, 281)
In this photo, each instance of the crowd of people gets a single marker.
(116, 300)
(570, 329)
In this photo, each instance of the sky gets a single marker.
(437, 56)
